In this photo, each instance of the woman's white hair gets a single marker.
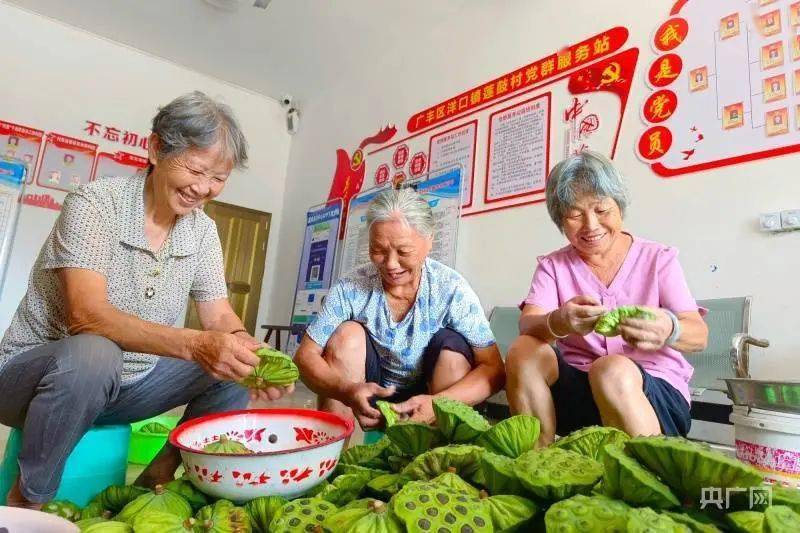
(406, 203)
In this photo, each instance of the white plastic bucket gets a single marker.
(770, 441)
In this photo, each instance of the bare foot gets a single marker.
(16, 499)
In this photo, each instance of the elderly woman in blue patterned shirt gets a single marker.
(93, 341)
(405, 328)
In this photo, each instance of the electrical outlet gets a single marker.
(770, 221)
(790, 219)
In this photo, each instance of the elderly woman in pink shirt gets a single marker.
(638, 381)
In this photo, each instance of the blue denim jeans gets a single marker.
(57, 391)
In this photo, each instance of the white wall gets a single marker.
(55, 77)
(709, 216)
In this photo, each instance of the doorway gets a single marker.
(244, 234)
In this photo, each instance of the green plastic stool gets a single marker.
(99, 459)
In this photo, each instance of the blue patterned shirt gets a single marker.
(444, 299)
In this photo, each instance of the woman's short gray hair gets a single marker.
(405, 202)
(586, 172)
(196, 120)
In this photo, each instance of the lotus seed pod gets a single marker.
(413, 438)
(457, 421)
(511, 437)
(115, 497)
(389, 414)
(185, 488)
(227, 446)
(452, 480)
(745, 521)
(672, 457)
(63, 508)
(151, 521)
(510, 514)
(499, 474)
(159, 500)
(262, 510)
(386, 486)
(696, 521)
(608, 324)
(589, 441)
(627, 480)
(275, 369)
(155, 427)
(367, 455)
(781, 519)
(587, 514)
(646, 520)
(556, 474)
(302, 515)
(464, 457)
(426, 506)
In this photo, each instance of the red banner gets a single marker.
(600, 45)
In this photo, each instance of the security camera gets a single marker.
(287, 101)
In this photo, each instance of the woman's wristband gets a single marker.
(676, 328)
(550, 329)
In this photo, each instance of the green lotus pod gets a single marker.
(301, 515)
(84, 523)
(646, 520)
(627, 480)
(389, 415)
(457, 421)
(499, 474)
(262, 510)
(156, 428)
(671, 458)
(344, 489)
(398, 462)
(464, 457)
(696, 521)
(786, 496)
(115, 497)
(227, 446)
(608, 324)
(556, 474)
(414, 438)
(160, 499)
(510, 514)
(367, 455)
(511, 437)
(454, 481)
(426, 506)
(386, 486)
(152, 521)
(95, 510)
(185, 488)
(587, 514)
(317, 489)
(364, 516)
(781, 519)
(745, 521)
(589, 441)
(275, 368)
(106, 526)
(371, 473)
(223, 518)
(63, 508)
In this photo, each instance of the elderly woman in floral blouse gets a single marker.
(405, 328)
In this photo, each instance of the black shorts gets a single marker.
(444, 339)
(575, 406)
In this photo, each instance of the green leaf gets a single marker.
(499, 475)
(414, 438)
(627, 480)
(275, 369)
(589, 441)
(389, 415)
(511, 514)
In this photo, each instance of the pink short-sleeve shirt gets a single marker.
(650, 275)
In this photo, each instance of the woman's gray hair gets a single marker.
(587, 172)
(196, 120)
(407, 203)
